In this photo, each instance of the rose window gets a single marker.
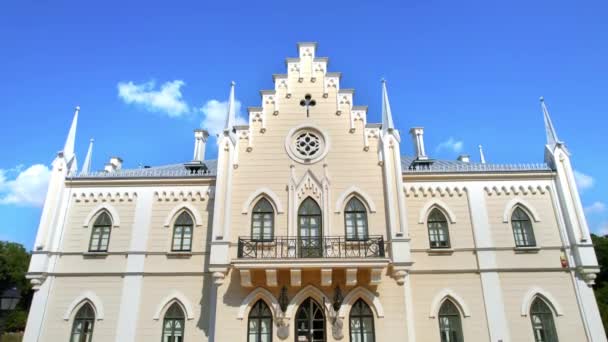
(307, 144)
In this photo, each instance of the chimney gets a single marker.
(417, 137)
(200, 141)
(115, 164)
(464, 158)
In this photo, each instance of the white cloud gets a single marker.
(167, 99)
(215, 113)
(583, 181)
(27, 188)
(596, 207)
(451, 145)
(602, 230)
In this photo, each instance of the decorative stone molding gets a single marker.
(181, 195)
(330, 83)
(88, 221)
(358, 113)
(192, 210)
(86, 297)
(352, 192)
(174, 297)
(256, 115)
(434, 191)
(269, 102)
(368, 296)
(308, 291)
(456, 299)
(271, 278)
(326, 276)
(345, 100)
(516, 190)
(309, 186)
(351, 276)
(295, 277)
(297, 131)
(90, 196)
(435, 203)
(218, 277)
(519, 202)
(370, 134)
(544, 295)
(253, 297)
(245, 134)
(270, 195)
(245, 278)
(376, 276)
(399, 276)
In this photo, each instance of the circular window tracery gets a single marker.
(306, 144)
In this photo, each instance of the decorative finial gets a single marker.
(542, 99)
(232, 83)
(482, 157)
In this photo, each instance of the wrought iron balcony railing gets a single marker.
(317, 247)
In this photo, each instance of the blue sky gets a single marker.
(147, 74)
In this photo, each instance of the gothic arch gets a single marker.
(513, 203)
(174, 297)
(253, 297)
(354, 191)
(546, 296)
(308, 291)
(367, 296)
(86, 297)
(270, 195)
(196, 216)
(88, 221)
(435, 203)
(456, 299)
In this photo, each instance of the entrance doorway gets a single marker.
(310, 322)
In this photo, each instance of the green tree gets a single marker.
(14, 261)
(600, 244)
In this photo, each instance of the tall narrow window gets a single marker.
(439, 236)
(100, 235)
(173, 324)
(522, 229)
(259, 328)
(542, 322)
(262, 221)
(82, 329)
(310, 230)
(361, 323)
(450, 327)
(182, 233)
(355, 220)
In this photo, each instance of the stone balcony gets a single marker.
(261, 260)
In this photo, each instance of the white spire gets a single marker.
(231, 118)
(552, 139)
(68, 148)
(86, 167)
(482, 157)
(387, 116)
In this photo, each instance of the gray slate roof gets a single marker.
(407, 164)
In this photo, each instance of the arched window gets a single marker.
(542, 322)
(439, 236)
(259, 328)
(522, 228)
(182, 233)
(355, 220)
(310, 232)
(173, 324)
(310, 322)
(82, 329)
(262, 220)
(361, 323)
(100, 235)
(450, 327)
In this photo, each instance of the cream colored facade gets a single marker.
(393, 268)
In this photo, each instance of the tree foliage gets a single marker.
(14, 261)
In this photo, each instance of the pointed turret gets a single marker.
(387, 116)
(231, 117)
(68, 148)
(552, 139)
(86, 167)
(482, 157)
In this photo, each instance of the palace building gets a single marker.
(313, 225)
